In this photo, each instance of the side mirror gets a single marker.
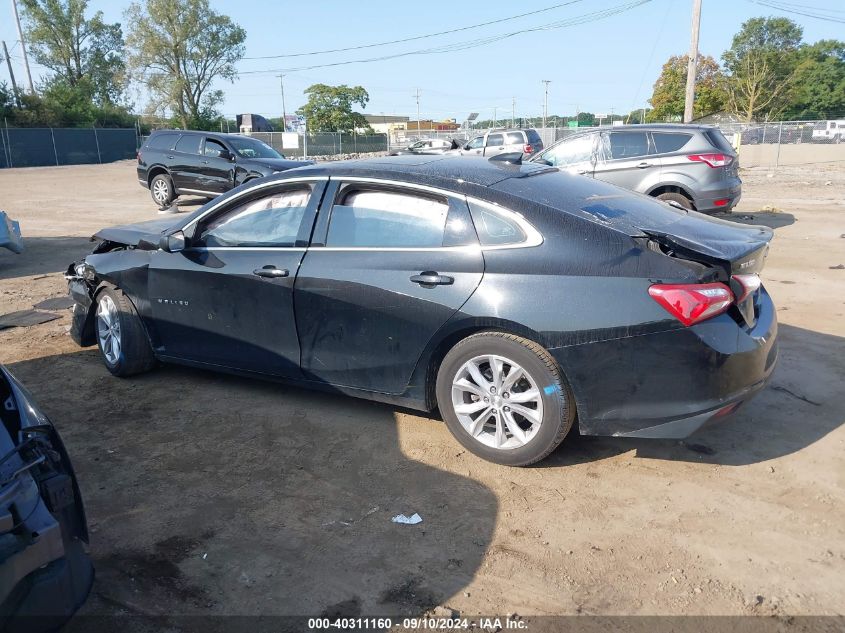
(226, 154)
(172, 242)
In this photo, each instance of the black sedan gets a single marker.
(45, 571)
(514, 298)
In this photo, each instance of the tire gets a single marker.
(162, 186)
(491, 436)
(680, 198)
(116, 322)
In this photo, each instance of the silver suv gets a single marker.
(504, 142)
(693, 166)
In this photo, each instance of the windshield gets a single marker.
(253, 148)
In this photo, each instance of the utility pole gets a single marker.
(693, 61)
(11, 74)
(495, 119)
(546, 102)
(417, 97)
(23, 47)
(284, 111)
(513, 111)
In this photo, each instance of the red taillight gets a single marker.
(749, 285)
(712, 160)
(528, 149)
(721, 202)
(692, 303)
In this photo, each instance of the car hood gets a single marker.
(277, 164)
(140, 234)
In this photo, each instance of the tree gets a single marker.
(819, 86)
(329, 108)
(76, 49)
(178, 48)
(667, 99)
(761, 63)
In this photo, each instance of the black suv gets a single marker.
(175, 162)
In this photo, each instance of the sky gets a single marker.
(606, 65)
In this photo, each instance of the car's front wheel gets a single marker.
(504, 398)
(123, 343)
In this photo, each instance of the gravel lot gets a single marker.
(214, 494)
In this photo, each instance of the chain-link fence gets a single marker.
(768, 144)
(36, 147)
(323, 144)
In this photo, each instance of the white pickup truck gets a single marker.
(829, 131)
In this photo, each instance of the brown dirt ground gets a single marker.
(213, 494)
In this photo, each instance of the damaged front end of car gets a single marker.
(45, 571)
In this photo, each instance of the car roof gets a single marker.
(664, 127)
(450, 172)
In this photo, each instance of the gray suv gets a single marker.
(693, 166)
(504, 142)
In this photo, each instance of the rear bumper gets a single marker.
(142, 177)
(669, 384)
(706, 198)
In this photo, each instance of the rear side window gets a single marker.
(189, 144)
(387, 219)
(514, 138)
(271, 220)
(495, 140)
(495, 228)
(628, 144)
(665, 142)
(161, 141)
(718, 140)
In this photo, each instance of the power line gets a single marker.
(791, 8)
(459, 46)
(419, 37)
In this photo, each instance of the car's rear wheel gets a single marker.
(504, 398)
(677, 198)
(121, 338)
(161, 189)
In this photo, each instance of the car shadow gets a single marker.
(43, 256)
(214, 494)
(774, 220)
(800, 405)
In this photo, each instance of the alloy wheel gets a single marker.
(497, 402)
(108, 329)
(160, 191)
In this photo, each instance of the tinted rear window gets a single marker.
(666, 142)
(719, 141)
(161, 141)
(533, 137)
(189, 144)
(514, 138)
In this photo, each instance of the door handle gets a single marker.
(430, 278)
(644, 165)
(271, 272)
(170, 157)
(205, 162)
(582, 171)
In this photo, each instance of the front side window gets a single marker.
(570, 152)
(213, 148)
(271, 220)
(476, 143)
(387, 219)
(189, 144)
